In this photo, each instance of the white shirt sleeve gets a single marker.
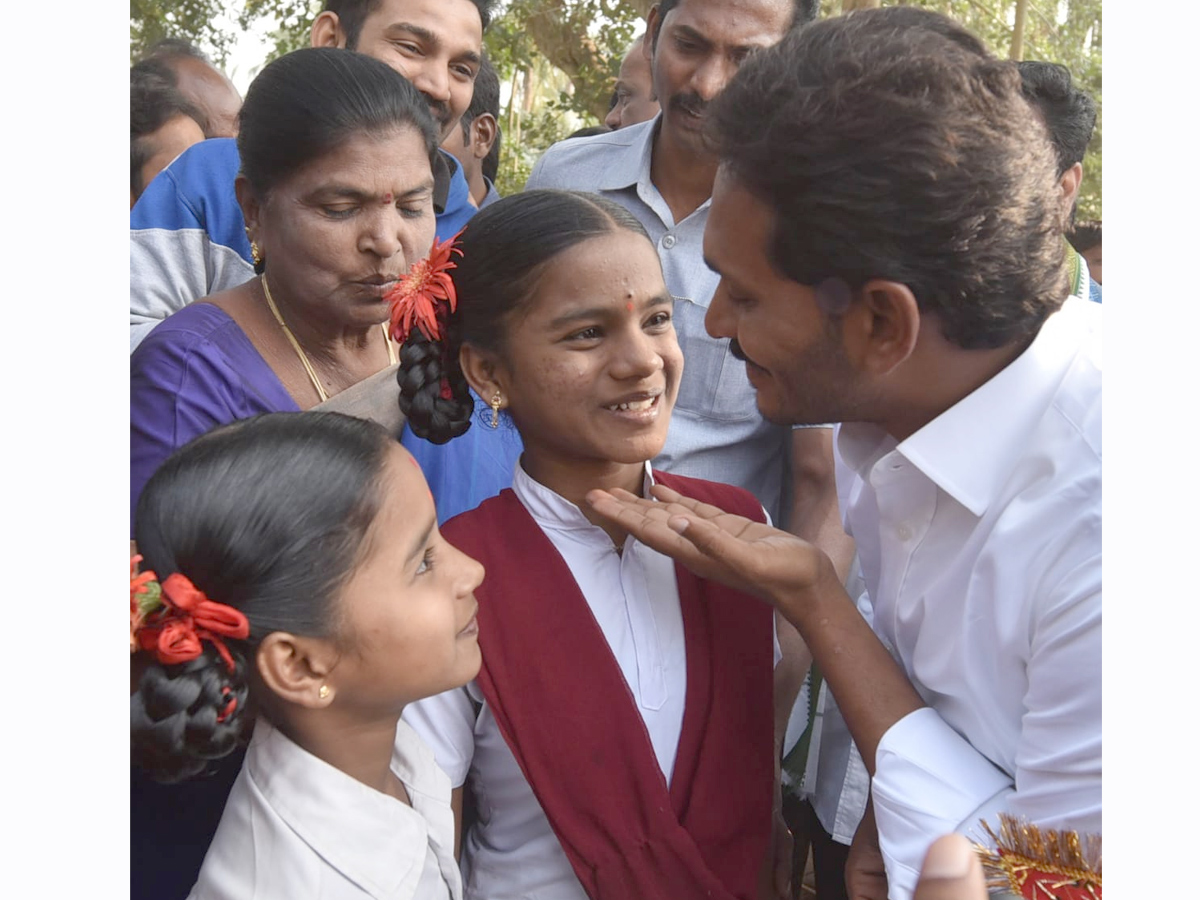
(929, 780)
(446, 723)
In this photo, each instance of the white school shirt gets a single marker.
(296, 827)
(512, 852)
(979, 538)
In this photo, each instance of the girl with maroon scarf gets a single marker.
(618, 741)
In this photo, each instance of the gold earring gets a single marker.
(255, 254)
(495, 409)
(323, 693)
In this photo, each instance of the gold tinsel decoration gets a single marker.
(1042, 863)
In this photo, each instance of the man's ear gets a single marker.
(653, 24)
(1069, 185)
(484, 373)
(327, 31)
(483, 135)
(298, 669)
(880, 328)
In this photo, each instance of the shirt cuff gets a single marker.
(928, 781)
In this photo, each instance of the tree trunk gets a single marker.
(1018, 35)
(563, 40)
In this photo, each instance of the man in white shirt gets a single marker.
(890, 248)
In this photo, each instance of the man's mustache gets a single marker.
(439, 109)
(689, 103)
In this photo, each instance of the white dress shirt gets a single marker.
(979, 538)
(512, 852)
(295, 827)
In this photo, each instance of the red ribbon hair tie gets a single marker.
(173, 632)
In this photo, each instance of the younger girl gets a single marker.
(618, 742)
(302, 589)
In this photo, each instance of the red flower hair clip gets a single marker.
(417, 299)
(171, 619)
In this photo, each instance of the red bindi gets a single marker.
(629, 307)
(388, 198)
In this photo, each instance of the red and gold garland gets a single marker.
(1042, 864)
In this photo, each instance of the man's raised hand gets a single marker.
(738, 552)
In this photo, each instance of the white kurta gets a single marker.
(979, 538)
(296, 827)
(512, 853)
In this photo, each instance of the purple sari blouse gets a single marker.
(196, 370)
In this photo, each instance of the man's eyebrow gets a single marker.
(424, 34)
(691, 34)
(416, 31)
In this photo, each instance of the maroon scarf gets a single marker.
(568, 716)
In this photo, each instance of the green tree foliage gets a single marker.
(191, 20)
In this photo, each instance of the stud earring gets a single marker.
(495, 409)
(323, 693)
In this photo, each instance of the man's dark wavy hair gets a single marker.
(889, 144)
(1069, 113)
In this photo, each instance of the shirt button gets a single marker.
(668, 241)
(904, 532)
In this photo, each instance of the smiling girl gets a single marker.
(310, 602)
(618, 740)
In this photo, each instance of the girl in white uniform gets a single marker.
(301, 589)
(618, 742)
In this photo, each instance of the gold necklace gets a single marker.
(312, 375)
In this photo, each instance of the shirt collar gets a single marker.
(629, 163)
(553, 512)
(443, 170)
(372, 839)
(970, 449)
(1083, 289)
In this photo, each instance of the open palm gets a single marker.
(733, 550)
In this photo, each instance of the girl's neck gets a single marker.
(363, 750)
(572, 479)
